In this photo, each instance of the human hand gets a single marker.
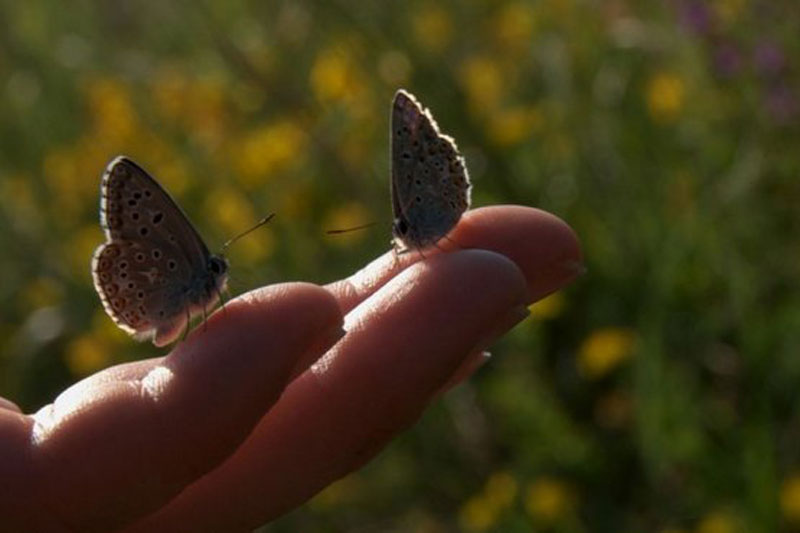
(235, 427)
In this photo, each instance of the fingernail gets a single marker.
(468, 367)
(333, 336)
(554, 277)
(503, 325)
(573, 268)
(324, 343)
(563, 272)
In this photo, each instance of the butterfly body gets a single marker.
(430, 185)
(154, 273)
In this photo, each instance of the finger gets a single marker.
(18, 488)
(403, 343)
(122, 444)
(466, 369)
(542, 245)
(8, 405)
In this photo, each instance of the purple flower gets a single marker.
(727, 60)
(695, 16)
(781, 103)
(769, 58)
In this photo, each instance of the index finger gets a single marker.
(547, 260)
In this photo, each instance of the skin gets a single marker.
(270, 403)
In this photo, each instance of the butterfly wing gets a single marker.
(134, 207)
(134, 292)
(430, 185)
(150, 271)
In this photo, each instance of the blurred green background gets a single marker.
(658, 393)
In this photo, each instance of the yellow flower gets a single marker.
(513, 26)
(231, 211)
(87, 354)
(17, 200)
(42, 292)
(559, 10)
(335, 75)
(268, 149)
(718, 522)
(198, 105)
(104, 329)
(729, 10)
(604, 350)
(432, 27)
(510, 127)
(113, 116)
(665, 97)
(348, 215)
(500, 490)
(207, 117)
(168, 91)
(483, 82)
(477, 514)
(549, 307)
(79, 248)
(549, 500)
(172, 174)
(790, 498)
(294, 201)
(61, 174)
(483, 510)
(394, 68)
(329, 75)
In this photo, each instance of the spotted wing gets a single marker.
(151, 255)
(430, 185)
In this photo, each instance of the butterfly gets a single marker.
(430, 185)
(154, 273)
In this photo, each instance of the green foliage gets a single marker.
(656, 394)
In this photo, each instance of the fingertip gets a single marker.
(544, 247)
(482, 273)
(239, 363)
(8, 405)
(430, 315)
(257, 320)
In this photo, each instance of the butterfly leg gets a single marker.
(454, 242)
(205, 319)
(186, 328)
(396, 254)
(221, 299)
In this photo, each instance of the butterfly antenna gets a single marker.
(242, 234)
(347, 230)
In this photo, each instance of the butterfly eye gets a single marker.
(217, 265)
